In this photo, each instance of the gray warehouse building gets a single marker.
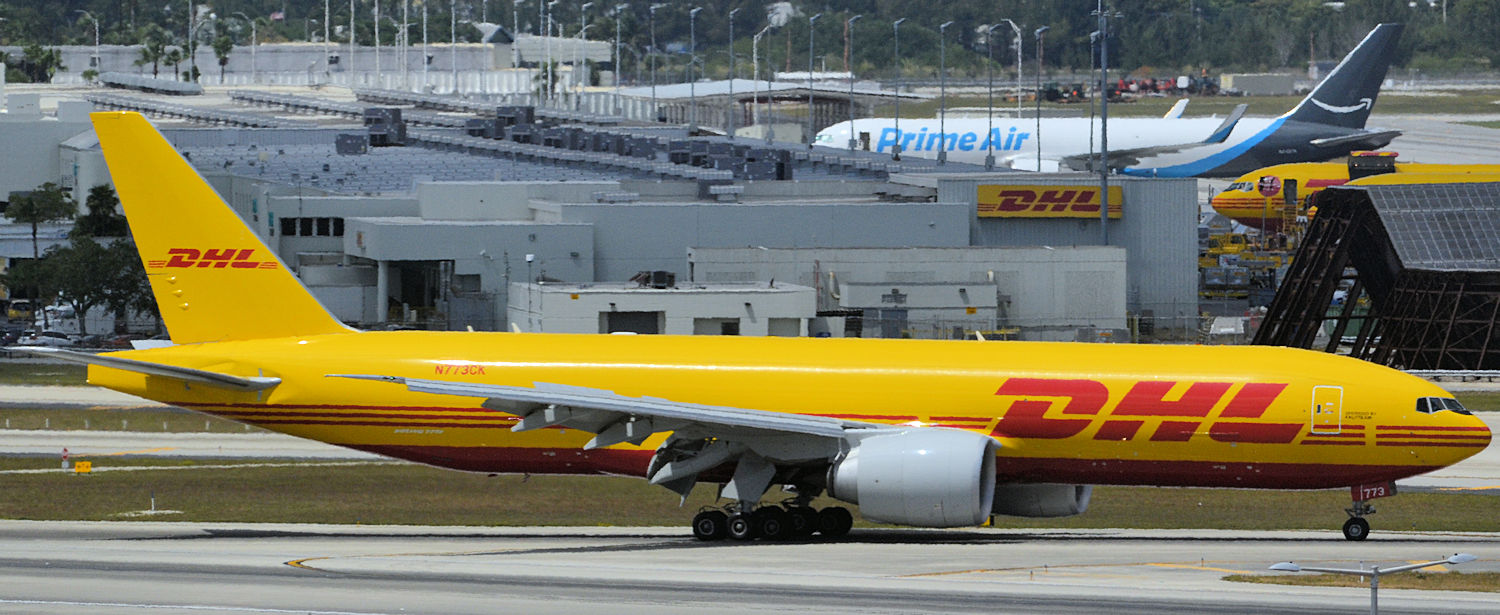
(441, 231)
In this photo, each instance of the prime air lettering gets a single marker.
(967, 141)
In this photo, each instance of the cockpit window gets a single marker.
(1429, 405)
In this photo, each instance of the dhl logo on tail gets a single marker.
(218, 258)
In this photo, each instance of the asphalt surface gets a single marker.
(238, 568)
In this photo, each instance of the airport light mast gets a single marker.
(1039, 33)
(943, 93)
(734, 107)
(811, 33)
(1104, 16)
(692, 59)
(849, 32)
(896, 54)
(989, 148)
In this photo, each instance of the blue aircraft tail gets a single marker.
(1345, 97)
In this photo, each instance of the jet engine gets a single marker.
(928, 477)
(1042, 500)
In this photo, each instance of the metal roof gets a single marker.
(745, 88)
(1442, 227)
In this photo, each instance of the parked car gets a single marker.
(55, 339)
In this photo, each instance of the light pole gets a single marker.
(425, 58)
(989, 135)
(811, 33)
(692, 57)
(577, 85)
(619, 10)
(515, 31)
(655, 112)
(1017, 29)
(1038, 34)
(405, 44)
(551, 74)
(579, 57)
(1375, 572)
(896, 56)
(376, 25)
(734, 107)
(943, 92)
(190, 48)
(1103, 123)
(453, 40)
(253, 41)
(96, 62)
(327, 27)
(849, 32)
(351, 43)
(755, 80)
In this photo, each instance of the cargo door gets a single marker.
(1327, 409)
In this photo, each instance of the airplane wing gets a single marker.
(223, 381)
(1122, 158)
(616, 419)
(1372, 139)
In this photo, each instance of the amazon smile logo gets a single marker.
(1364, 103)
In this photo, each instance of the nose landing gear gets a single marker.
(1357, 528)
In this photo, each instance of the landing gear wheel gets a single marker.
(772, 522)
(835, 521)
(1356, 528)
(804, 521)
(741, 527)
(711, 525)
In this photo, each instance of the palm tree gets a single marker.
(222, 47)
(48, 203)
(153, 48)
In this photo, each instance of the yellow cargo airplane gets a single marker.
(1245, 203)
(920, 433)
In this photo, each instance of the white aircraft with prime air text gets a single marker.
(1329, 123)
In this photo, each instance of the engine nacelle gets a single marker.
(928, 477)
(1042, 500)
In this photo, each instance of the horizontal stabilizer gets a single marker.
(1373, 140)
(223, 381)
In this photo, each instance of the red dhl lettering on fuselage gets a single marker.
(1045, 201)
(1081, 404)
(218, 258)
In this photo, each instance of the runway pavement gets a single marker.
(236, 568)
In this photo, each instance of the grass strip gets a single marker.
(32, 372)
(421, 495)
(1447, 581)
(152, 419)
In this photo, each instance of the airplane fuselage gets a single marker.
(1252, 144)
(1092, 414)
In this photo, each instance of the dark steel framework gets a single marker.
(1426, 258)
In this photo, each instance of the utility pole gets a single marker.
(351, 44)
(755, 81)
(655, 112)
(452, 40)
(619, 9)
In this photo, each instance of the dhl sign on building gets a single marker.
(1034, 201)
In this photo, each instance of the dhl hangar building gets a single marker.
(401, 210)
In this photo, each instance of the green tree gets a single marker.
(40, 64)
(222, 47)
(103, 218)
(172, 58)
(48, 203)
(82, 272)
(153, 48)
(129, 290)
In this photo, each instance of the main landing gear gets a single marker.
(772, 522)
(1357, 528)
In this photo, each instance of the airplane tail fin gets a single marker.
(1345, 97)
(213, 279)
